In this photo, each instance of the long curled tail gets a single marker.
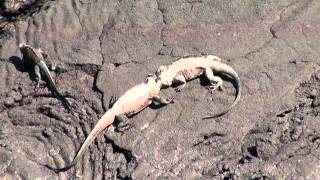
(104, 122)
(236, 100)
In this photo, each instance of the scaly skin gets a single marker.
(132, 102)
(36, 58)
(186, 69)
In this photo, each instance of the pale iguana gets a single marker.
(35, 57)
(132, 102)
(186, 69)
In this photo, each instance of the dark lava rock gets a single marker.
(316, 101)
(9, 101)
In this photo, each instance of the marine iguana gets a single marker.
(35, 57)
(132, 102)
(185, 69)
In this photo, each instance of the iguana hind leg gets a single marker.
(161, 100)
(215, 81)
(124, 123)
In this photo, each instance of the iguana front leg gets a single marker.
(215, 81)
(38, 75)
(180, 79)
(45, 55)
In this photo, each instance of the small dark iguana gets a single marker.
(130, 103)
(35, 57)
(186, 69)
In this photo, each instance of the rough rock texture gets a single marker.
(103, 47)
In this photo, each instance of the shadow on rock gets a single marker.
(205, 82)
(22, 66)
(17, 62)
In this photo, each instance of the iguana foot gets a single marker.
(124, 123)
(36, 85)
(53, 67)
(213, 87)
(179, 88)
(170, 100)
(123, 126)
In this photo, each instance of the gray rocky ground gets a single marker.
(103, 47)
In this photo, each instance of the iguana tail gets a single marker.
(46, 71)
(236, 100)
(104, 122)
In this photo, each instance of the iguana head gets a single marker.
(26, 49)
(27, 52)
(165, 75)
(153, 83)
(23, 47)
(30, 53)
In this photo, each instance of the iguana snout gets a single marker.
(21, 45)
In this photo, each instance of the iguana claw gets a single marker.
(171, 100)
